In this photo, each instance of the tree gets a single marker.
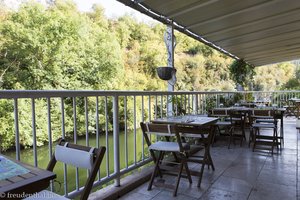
(48, 49)
(274, 77)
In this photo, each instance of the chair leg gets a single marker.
(155, 170)
(211, 161)
(154, 159)
(254, 139)
(243, 136)
(158, 168)
(250, 137)
(275, 141)
(178, 178)
(230, 136)
(201, 174)
(188, 173)
(214, 136)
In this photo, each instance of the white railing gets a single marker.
(99, 114)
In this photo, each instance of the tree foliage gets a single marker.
(48, 49)
(274, 77)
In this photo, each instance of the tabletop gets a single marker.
(191, 120)
(27, 179)
(242, 108)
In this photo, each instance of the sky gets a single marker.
(113, 9)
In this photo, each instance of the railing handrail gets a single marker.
(10, 94)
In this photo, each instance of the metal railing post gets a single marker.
(196, 111)
(17, 134)
(116, 139)
(34, 133)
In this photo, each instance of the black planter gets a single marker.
(165, 73)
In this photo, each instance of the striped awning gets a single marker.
(259, 31)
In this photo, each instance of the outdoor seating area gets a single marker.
(217, 148)
(92, 107)
(239, 173)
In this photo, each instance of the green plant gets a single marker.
(237, 97)
(241, 73)
(249, 97)
(210, 103)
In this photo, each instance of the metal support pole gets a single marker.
(170, 41)
(116, 139)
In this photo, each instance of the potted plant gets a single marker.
(241, 72)
(165, 73)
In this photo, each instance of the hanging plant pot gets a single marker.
(165, 73)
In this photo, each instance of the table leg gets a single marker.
(281, 130)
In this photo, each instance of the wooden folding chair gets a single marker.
(204, 136)
(263, 119)
(237, 120)
(224, 127)
(164, 147)
(79, 156)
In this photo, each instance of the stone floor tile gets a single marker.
(281, 168)
(275, 176)
(217, 194)
(270, 191)
(168, 195)
(143, 189)
(134, 195)
(192, 190)
(232, 185)
(247, 173)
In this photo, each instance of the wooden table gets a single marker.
(194, 121)
(16, 187)
(189, 120)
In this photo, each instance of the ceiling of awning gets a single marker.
(259, 31)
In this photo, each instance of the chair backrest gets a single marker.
(165, 130)
(204, 133)
(219, 112)
(237, 117)
(262, 113)
(79, 156)
(237, 114)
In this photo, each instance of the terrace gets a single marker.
(239, 171)
(111, 118)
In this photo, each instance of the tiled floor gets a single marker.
(240, 174)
